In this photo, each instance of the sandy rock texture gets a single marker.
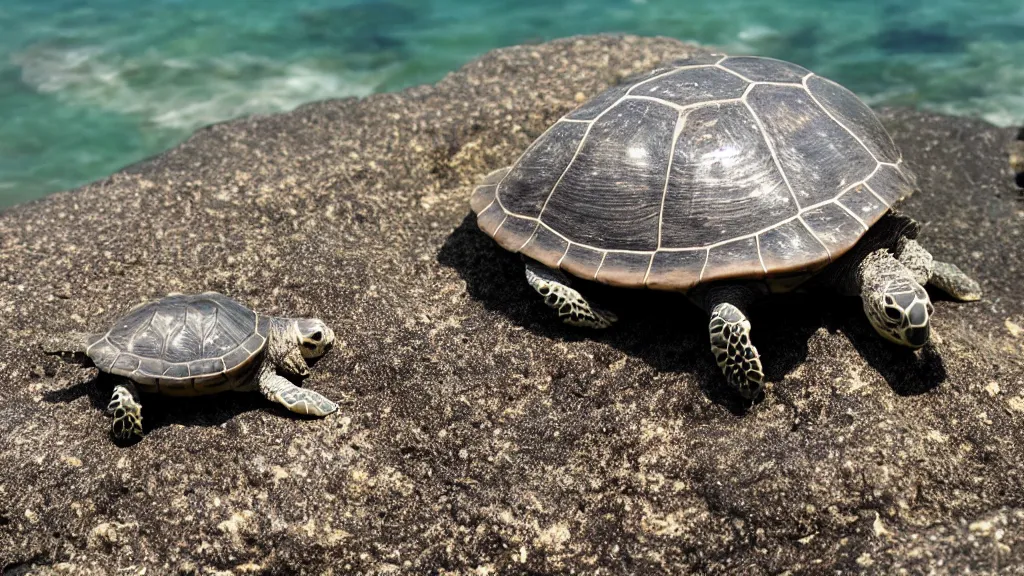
(477, 435)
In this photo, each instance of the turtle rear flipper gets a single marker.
(70, 347)
(572, 307)
(127, 412)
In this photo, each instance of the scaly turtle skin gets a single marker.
(725, 178)
(197, 344)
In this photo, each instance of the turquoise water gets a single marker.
(88, 86)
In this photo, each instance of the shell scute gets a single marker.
(624, 268)
(513, 230)
(832, 225)
(125, 363)
(848, 110)
(176, 371)
(597, 105)
(736, 259)
(254, 343)
(717, 188)
(891, 183)
(617, 176)
(545, 242)
(759, 69)
(204, 367)
(236, 357)
(582, 261)
(791, 248)
(860, 201)
(818, 157)
(103, 354)
(151, 367)
(531, 181)
(678, 270)
(692, 86)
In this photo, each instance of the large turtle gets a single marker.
(726, 178)
(197, 344)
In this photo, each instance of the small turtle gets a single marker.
(197, 344)
(726, 178)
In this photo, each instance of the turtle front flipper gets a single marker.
(942, 275)
(126, 409)
(729, 330)
(733, 350)
(299, 400)
(572, 307)
(951, 280)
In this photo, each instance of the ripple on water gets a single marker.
(88, 88)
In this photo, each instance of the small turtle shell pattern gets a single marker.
(183, 344)
(713, 168)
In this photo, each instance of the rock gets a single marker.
(107, 534)
(476, 434)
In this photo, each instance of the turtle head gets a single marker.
(314, 337)
(900, 312)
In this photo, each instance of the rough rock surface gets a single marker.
(477, 435)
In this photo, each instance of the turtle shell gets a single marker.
(712, 168)
(184, 344)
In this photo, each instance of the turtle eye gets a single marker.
(893, 313)
(317, 336)
(889, 300)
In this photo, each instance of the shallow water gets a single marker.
(87, 87)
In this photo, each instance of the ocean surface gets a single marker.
(89, 86)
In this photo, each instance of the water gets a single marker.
(89, 86)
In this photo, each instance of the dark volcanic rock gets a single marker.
(477, 435)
